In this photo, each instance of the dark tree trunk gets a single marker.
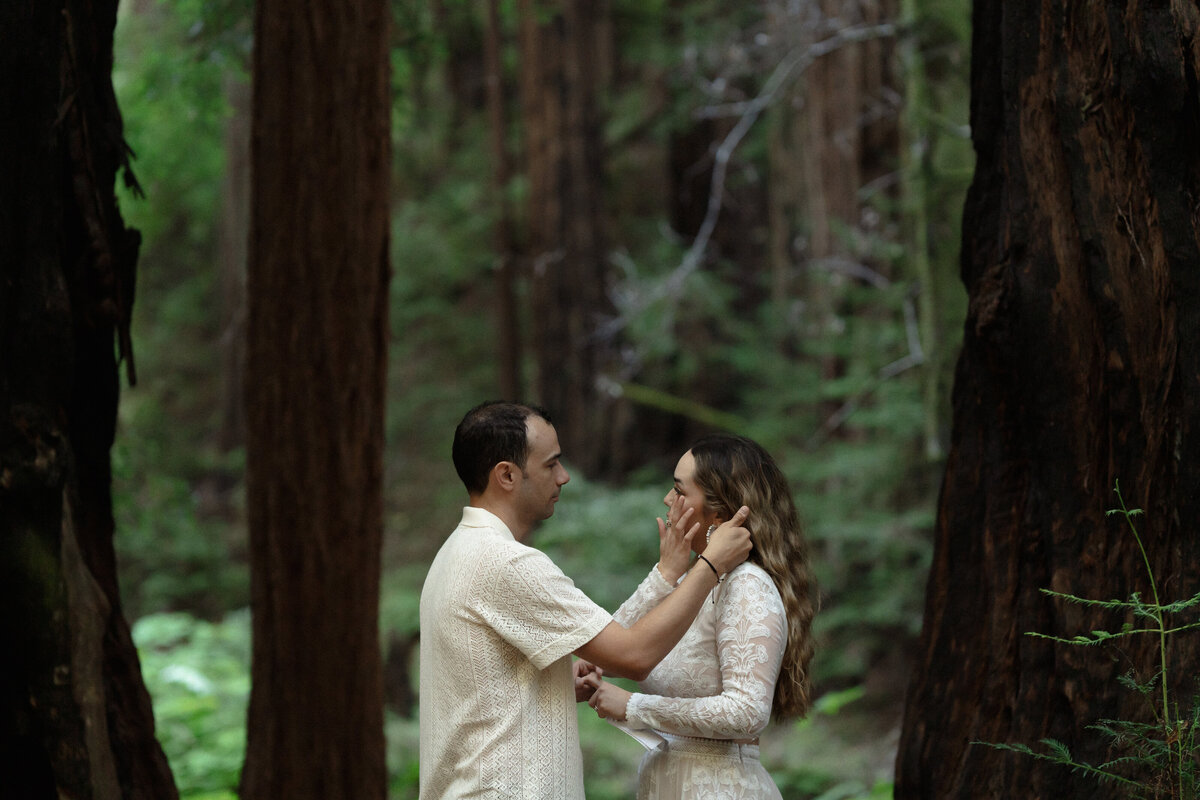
(508, 340)
(232, 235)
(317, 293)
(563, 68)
(75, 717)
(1080, 367)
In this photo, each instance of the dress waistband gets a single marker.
(710, 747)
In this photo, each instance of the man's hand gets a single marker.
(587, 678)
(675, 541)
(730, 543)
(609, 700)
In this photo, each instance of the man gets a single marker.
(499, 622)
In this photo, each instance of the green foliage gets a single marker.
(811, 375)
(174, 493)
(403, 747)
(171, 558)
(813, 777)
(1159, 759)
(605, 541)
(169, 86)
(198, 674)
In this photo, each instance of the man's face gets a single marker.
(544, 474)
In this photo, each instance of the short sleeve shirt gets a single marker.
(499, 622)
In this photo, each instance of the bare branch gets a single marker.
(790, 68)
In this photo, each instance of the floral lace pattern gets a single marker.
(681, 772)
(718, 683)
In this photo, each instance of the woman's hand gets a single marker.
(610, 701)
(587, 678)
(730, 543)
(675, 542)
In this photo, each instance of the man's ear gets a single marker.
(505, 475)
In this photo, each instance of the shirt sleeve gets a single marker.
(653, 588)
(536, 608)
(751, 632)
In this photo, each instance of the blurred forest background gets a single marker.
(778, 193)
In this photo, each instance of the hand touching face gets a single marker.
(686, 496)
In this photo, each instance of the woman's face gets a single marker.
(685, 487)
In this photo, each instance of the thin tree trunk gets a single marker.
(508, 339)
(75, 717)
(317, 333)
(563, 128)
(232, 234)
(915, 210)
(1080, 368)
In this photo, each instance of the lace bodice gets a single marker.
(719, 681)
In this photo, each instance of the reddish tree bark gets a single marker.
(1080, 367)
(317, 331)
(509, 351)
(563, 67)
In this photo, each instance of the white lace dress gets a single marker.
(712, 694)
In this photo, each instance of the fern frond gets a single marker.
(1132, 603)
(1182, 605)
(1130, 681)
(1057, 748)
(1060, 755)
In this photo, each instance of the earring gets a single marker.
(708, 534)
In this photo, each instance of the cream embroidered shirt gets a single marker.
(499, 622)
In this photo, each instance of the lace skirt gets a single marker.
(704, 769)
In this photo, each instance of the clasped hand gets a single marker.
(608, 700)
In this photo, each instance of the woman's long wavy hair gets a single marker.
(733, 471)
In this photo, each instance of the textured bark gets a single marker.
(317, 290)
(508, 332)
(75, 717)
(1080, 367)
(232, 235)
(562, 69)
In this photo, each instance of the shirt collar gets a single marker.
(476, 517)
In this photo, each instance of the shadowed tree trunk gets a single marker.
(564, 61)
(317, 331)
(1080, 367)
(232, 234)
(508, 339)
(75, 717)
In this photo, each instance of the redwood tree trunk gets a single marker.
(232, 237)
(508, 340)
(75, 717)
(317, 331)
(1080, 367)
(563, 67)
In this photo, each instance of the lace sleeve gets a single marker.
(751, 631)
(649, 593)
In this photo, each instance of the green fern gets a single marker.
(1166, 749)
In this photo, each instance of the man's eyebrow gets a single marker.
(677, 481)
(553, 457)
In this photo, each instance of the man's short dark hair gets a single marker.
(491, 432)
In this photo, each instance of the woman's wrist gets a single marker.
(669, 575)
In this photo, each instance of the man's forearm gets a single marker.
(633, 652)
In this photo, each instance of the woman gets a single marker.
(744, 661)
